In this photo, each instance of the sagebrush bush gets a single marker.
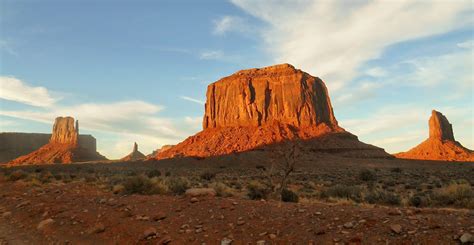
(208, 175)
(137, 185)
(459, 195)
(154, 173)
(382, 197)
(367, 175)
(257, 191)
(177, 185)
(289, 196)
(342, 191)
(222, 190)
(17, 175)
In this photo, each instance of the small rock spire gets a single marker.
(440, 128)
(135, 147)
(77, 127)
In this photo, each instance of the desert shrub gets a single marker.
(177, 185)
(158, 187)
(137, 185)
(208, 175)
(46, 177)
(168, 173)
(289, 196)
(222, 190)
(367, 175)
(460, 195)
(419, 200)
(260, 167)
(116, 189)
(257, 191)
(382, 197)
(343, 191)
(154, 173)
(38, 170)
(17, 175)
(396, 170)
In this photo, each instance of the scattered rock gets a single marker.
(194, 200)
(165, 240)
(466, 238)
(45, 223)
(150, 232)
(348, 225)
(97, 228)
(7, 214)
(159, 216)
(261, 242)
(272, 236)
(396, 228)
(226, 241)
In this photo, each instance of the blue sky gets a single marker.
(138, 70)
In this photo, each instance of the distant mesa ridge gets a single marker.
(440, 144)
(65, 146)
(258, 107)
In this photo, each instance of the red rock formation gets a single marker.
(259, 107)
(440, 144)
(63, 147)
(135, 155)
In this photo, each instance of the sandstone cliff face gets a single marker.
(135, 155)
(63, 147)
(258, 97)
(64, 131)
(256, 108)
(440, 144)
(13, 145)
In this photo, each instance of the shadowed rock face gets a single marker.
(64, 146)
(440, 128)
(258, 97)
(256, 108)
(440, 144)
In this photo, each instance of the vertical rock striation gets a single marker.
(257, 108)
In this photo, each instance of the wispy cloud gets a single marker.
(201, 102)
(211, 55)
(469, 44)
(8, 47)
(14, 89)
(230, 23)
(332, 39)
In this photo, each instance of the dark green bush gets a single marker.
(154, 173)
(178, 185)
(289, 196)
(257, 191)
(367, 175)
(207, 175)
(17, 175)
(342, 191)
(382, 197)
(137, 185)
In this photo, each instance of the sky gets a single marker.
(137, 71)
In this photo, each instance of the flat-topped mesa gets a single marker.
(440, 128)
(253, 109)
(257, 97)
(65, 131)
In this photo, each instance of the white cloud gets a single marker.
(16, 90)
(194, 122)
(467, 44)
(363, 91)
(332, 39)
(211, 55)
(376, 72)
(201, 102)
(230, 24)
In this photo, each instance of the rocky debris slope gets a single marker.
(440, 144)
(256, 108)
(135, 155)
(63, 147)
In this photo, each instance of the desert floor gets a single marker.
(81, 204)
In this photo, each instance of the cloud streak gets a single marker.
(14, 89)
(201, 102)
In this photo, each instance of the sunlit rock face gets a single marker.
(440, 144)
(65, 146)
(256, 108)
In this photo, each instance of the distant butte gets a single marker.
(440, 144)
(64, 147)
(135, 155)
(257, 108)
